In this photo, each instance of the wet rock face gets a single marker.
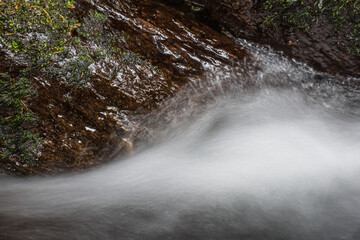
(179, 46)
(319, 46)
(84, 127)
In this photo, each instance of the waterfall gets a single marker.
(277, 160)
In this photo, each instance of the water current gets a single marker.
(277, 160)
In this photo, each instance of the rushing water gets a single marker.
(277, 160)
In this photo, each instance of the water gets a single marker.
(277, 160)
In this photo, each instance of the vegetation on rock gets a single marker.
(17, 141)
(45, 38)
(299, 15)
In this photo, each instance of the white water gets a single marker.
(266, 163)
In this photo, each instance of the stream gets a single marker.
(275, 158)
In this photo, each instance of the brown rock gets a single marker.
(85, 127)
(244, 19)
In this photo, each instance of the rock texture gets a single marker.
(84, 127)
(320, 47)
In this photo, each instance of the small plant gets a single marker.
(299, 15)
(37, 29)
(296, 14)
(77, 71)
(346, 16)
(16, 140)
(43, 35)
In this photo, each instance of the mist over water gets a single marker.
(280, 160)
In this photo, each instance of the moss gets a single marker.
(346, 16)
(296, 14)
(44, 36)
(17, 142)
(37, 29)
(299, 15)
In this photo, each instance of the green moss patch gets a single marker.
(17, 142)
(44, 37)
(299, 15)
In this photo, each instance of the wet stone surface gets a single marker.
(320, 46)
(87, 126)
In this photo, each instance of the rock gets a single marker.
(85, 127)
(244, 19)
